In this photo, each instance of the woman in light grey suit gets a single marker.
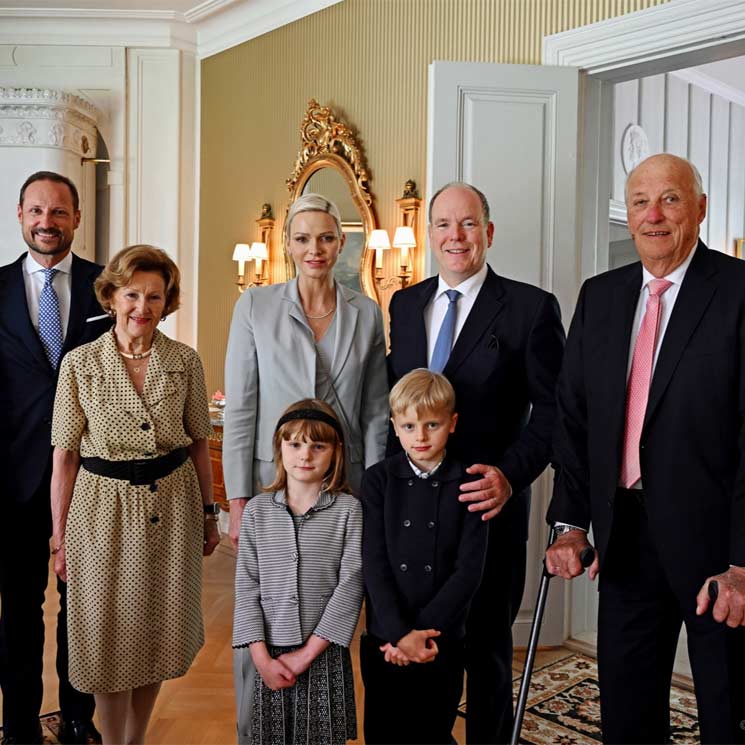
(307, 338)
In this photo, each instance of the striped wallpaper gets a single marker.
(367, 59)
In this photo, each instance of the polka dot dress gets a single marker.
(134, 553)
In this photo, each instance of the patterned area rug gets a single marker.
(564, 706)
(50, 727)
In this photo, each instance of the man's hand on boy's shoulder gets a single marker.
(487, 494)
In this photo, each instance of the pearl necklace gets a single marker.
(136, 356)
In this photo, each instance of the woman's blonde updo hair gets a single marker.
(140, 258)
(312, 203)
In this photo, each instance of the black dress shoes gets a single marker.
(33, 737)
(78, 732)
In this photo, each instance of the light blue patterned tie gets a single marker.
(444, 342)
(50, 323)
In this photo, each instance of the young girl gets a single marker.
(298, 590)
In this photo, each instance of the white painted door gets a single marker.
(512, 130)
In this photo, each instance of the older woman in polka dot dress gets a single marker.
(132, 497)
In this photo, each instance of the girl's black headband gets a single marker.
(315, 414)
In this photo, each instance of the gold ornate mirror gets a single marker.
(331, 163)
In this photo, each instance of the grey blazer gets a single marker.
(288, 587)
(271, 363)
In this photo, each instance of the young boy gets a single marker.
(422, 558)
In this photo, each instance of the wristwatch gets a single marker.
(560, 530)
(212, 509)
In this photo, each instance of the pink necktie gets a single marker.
(640, 378)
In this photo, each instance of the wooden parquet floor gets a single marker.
(199, 709)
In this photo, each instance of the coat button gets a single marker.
(430, 524)
(145, 426)
(411, 482)
(154, 519)
(293, 598)
(435, 484)
(294, 555)
(407, 523)
(153, 487)
(427, 568)
(403, 568)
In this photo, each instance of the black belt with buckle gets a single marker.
(137, 472)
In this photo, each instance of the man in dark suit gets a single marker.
(650, 450)
(43, 314)
(499, 342)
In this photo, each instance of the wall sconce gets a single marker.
(379, 241)
(404, 239)
(258, 251)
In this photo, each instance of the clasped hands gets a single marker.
(417, 646)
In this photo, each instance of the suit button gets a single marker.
(430, 524)
(154, 519)
(411, 482)
(435, 484)
(403, 568)
(145, 426)
(428, 568)
(407, 523)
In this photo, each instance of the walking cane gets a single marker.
(586, 558)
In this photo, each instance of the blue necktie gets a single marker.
(444, 342)
(50, 323)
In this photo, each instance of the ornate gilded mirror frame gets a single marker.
(329, 143)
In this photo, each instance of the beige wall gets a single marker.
(368, 60)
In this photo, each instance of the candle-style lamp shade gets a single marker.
(242, 254)
(379, 241)
(404, 239)
(258, 253)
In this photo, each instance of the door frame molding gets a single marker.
(608, 52)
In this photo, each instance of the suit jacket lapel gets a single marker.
(80, 292)
(346, 324)
(17, 315)
(623, 307)
(305, 358)
(487, 307)
(693, 298)
(424, 292)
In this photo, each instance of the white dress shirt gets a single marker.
(33, 280)
(435, 311)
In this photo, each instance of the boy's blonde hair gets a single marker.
(311, 430)
(424, 390)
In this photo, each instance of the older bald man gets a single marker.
(650, 450)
